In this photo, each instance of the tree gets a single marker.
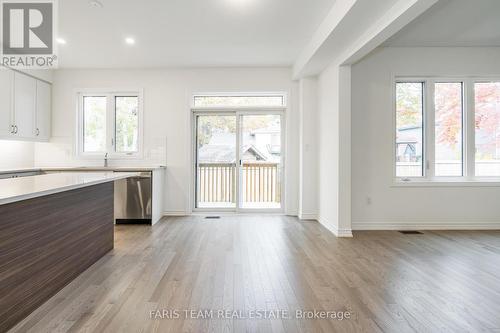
(448, 116)
(487, 117)
(409, 104)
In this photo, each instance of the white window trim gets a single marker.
(110, 124)
(468, 134)
(284, 95)
(237, 111)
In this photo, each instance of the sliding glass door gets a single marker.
(261, 163)
(216, 161)
(238, 161)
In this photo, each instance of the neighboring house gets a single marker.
(259, 145)
(214, 153)
(408, 144)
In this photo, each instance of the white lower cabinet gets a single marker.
(25, 107)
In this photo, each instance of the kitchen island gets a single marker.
(52, 228)
(152, 206)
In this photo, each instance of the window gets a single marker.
(109, 123)
(448, 105)
(94, 124)
(487, 128)
(442, 135)
(126, 124)
(239, 100)
(409, 129)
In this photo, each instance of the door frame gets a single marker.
(237, 112)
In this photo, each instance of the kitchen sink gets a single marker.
(22, 174)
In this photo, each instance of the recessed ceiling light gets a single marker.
(60, 41)
(96, 3)
(240, 3)
(130, 41)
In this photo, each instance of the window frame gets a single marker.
(110, 147)
(428, 153)
(424, 129)
(465, 122)
(281, 94)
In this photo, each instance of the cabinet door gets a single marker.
(6, 119)
(43, 110)
(24, 105)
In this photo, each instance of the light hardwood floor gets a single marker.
(436, 282)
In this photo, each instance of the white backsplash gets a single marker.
(16, 154)
(62, 154)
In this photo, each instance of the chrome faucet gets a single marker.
(106, 160)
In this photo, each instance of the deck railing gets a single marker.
(217, 182)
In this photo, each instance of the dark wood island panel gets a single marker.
(48, 241)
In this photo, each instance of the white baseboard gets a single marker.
(336, 231)
(426, 225)
(308, 216)
(176, 213)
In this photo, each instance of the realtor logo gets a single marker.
(28, 34)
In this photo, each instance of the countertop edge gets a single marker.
(83, 169)
(63, 188)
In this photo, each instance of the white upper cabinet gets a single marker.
(25, 107)
(6, 100)
(43, 110)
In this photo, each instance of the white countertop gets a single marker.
(84, 168)
(98, 168)
(22, 188)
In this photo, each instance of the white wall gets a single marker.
(376, 203)
(167, 119)
(308, 158)
(333, 131)
(328, 140)
(43, 74)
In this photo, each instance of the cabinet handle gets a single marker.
(16, 129)
(37, 132)
(11, 129)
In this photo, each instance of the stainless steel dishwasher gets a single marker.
(133, 199)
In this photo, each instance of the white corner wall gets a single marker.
(376, 203)
(308, 181)
(333, 131)
(167, 117)
(328, 142)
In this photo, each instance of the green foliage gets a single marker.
(127, 123)
(408, 104)
(207, 125)
(94, 123)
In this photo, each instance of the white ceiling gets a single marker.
(187, 33)
(453, 23)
